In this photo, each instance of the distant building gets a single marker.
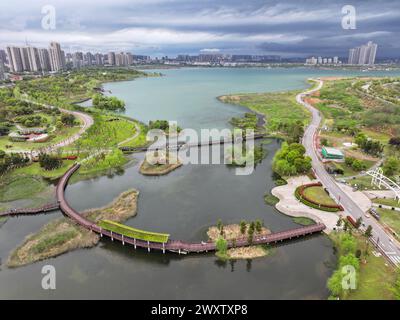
(363, 55)
(57, 57)
(44, 59)
(2, 70)
(111, 58)
(15, 60)
(332, 153)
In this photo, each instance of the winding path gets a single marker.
(379, 237)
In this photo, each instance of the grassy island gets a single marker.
(164, 164)
(63, 235)
(222, 234)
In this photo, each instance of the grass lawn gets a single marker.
(319, 195)
(55, 137)
(17, 187)
(375, 277)
(35, 170)
(388, 201)
(278, 107)
(362, 183)
(390, 218)
(304, 221)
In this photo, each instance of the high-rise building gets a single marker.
(25, 59)
(57, 57)
(15, 60)
(99, 59)
(3, 56)
(111, 58)
(363, 55)
(34, 61)
(44, 59)
(2, 70)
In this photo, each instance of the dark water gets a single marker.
(183, 203)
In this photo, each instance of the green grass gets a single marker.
(132, 232)
(304, 221)
(390, 218)
(388, 201)
(271, 199)
(319, 195)
(375, 278)
(34, 169)
(55, 137)
(278, 107)
(53, 240)
(19, 187)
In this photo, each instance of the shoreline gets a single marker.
(62, 235)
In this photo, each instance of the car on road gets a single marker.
(367, 215)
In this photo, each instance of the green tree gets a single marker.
(368, 232)
(391, 166)
(243, 227)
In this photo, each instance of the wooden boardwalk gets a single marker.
(173, 245)
(28, 211)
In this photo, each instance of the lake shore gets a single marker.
(63, 235)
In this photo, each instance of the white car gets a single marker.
(367, 215)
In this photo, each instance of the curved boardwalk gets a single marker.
(172, 245)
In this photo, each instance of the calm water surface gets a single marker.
(184, 204)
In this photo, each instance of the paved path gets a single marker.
(86, 119)
(379, 236)
(131, 138)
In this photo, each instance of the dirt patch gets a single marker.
(233, 232)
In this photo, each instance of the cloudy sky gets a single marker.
(169, 27)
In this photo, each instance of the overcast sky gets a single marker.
(170, 27)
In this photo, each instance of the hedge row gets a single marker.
(299, 193)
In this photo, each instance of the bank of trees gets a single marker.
(108, 103)
(372, 147)
(49, 162)
(291, 160)
(10, 161)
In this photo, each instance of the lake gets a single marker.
(183, 203)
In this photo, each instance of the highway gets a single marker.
(385, 242)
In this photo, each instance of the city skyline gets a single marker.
(160, 27)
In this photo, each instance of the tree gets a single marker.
(220, 227)
(221, 246)
(339, 222)
(391, 166)
(368, 232)
(243, 227)
(348, 243)
(48, 162)
(68, 119)
(395, 141)
(258, 225)
(358, 223)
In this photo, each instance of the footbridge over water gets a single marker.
(172, 245)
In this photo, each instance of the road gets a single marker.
(86, 119)
(379, 236)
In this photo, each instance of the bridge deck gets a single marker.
(46, 208)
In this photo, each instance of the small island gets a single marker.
(63, 235)
(160, 163)
(221, 234)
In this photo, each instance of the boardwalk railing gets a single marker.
(46, 208)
